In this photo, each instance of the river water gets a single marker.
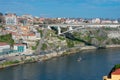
(93, 66)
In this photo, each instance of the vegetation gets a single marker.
(70, 43)
(35, 47)
(44, 46)
(115, 41)
(29, 60)
(7, 38)
(110, 29)
(77, 42)
(41, 32)
(94, 37)
(61, 37)
(117, 66)
(1, 26)
(10, 62)
(63, 29)
(1, 18)
(65, 53)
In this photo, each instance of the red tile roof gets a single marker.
(19, 44)
(116, 72)
(3, 44)
(31, 34)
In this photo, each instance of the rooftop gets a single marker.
(19, 44)
(3, 44)
(116, 72)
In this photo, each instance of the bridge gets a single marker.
(71, 27)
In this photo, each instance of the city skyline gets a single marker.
(63, 8)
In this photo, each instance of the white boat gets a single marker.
(79, 59)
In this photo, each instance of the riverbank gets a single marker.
(39, 58)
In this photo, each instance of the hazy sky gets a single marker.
(63, 8)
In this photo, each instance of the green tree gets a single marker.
(44, 46)
(7, 38)
(70, 43)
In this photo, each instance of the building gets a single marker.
(27, 16)
(27, 19)
(115, 21)
(113, 75)
(4, 48)
(19, 48)
(106, 21)
(96, 20)
(70, 21)
(10, 19)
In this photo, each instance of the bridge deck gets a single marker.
(117, 24)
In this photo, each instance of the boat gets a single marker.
(79, 59)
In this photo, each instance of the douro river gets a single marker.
(93, 65)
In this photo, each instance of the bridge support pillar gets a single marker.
(59, 30)
(48, 27)
(70, 28)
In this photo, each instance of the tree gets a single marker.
(7, 38)
(1, 18)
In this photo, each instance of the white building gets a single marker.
(38, 36)
(11, 19)
(96, 20)
(4, 48)
(27, 19)
(69, 21)
(19, 48)
(106, 21)
(115, 21)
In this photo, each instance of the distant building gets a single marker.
(96, 20)
(10, 19)
(70, 21)
(27, 16)
(27, 19)
(106, 21)
(115, 21)
(4, 48)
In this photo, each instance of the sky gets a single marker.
(63, 8)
